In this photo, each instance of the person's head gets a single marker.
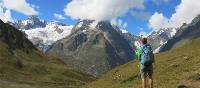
(143, 40)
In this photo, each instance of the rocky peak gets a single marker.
(92, 25)
(94, 47)
(104, 25)
(33, 18)
(82, 25)
(30, 23)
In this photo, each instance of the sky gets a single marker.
(136, 16)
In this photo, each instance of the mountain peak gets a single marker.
(89, 36)
(82, 25)
(33, 17)
(31, 22)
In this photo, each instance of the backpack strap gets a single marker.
(145, 45)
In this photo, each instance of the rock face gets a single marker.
(14, 38)
(186, 33)
(94, 47)
(128, 36)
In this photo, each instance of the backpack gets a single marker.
(147, 57)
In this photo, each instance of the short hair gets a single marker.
(144, 40)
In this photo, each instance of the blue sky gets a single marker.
(46, 10)
(135, 23)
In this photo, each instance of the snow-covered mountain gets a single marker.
(170, 38)
(42, 33)
(185, 34)
(159, 38)
(30, 23)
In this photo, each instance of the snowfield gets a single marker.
(50, 34)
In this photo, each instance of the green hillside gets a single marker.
(23, 66)
(36, 70)
(179, 68)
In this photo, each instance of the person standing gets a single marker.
(146, 59)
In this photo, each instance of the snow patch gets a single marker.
(173, 32)
(49, 34)
(94, 24)
(161, 42)
(161, 31)
(124, 31)
(157, 50)
(83, 31)
(80, 24)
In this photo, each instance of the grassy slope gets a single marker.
(172, 69)
(36, 70)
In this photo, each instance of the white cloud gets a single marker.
(141, 15)
(59, 16)
(120, 23)
(159, 2)
(114, 21)
(5, 15)
(158, 21)
(101, 9)
(35, 6)
(185, 12)
(20, 6)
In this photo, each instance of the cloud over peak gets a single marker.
(144, 16)
(58, 16)
(158, 21)
(185, 12)
(101, 9)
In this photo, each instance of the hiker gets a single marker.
(146, 59)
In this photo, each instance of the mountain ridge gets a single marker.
(42, 33)
(185, 33)
(80, 48)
